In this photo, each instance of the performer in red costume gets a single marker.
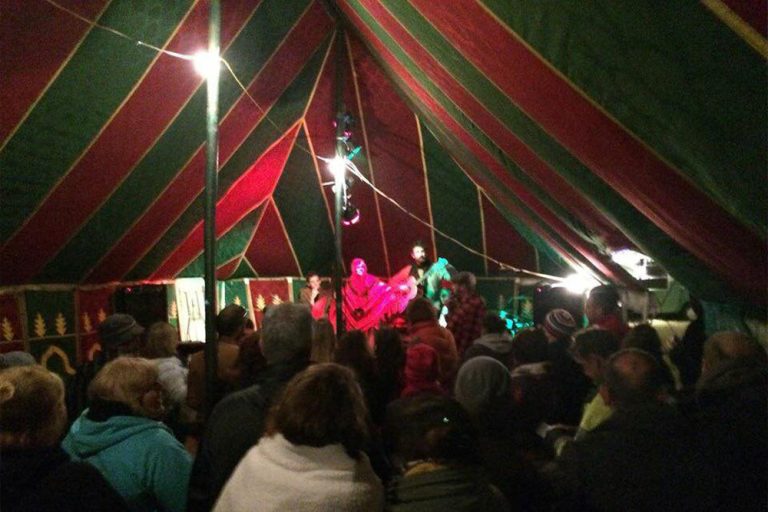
(368, 300)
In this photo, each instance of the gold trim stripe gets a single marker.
(743, 29)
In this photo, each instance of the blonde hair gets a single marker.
(125, 380)
(162, 340)
(32, 411)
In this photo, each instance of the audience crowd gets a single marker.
(427, 418)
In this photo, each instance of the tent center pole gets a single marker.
(211, 195)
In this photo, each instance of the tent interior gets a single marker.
(523, 141)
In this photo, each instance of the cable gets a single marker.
(349, 164)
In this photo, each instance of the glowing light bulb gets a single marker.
(206, 64)
(579, 283)
(337, 167)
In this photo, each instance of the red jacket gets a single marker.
(441, 339)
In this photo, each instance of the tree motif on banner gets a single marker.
(237, 300)
(40, 327)
(7, 329)
(61, 324)
(260, 303)
(87, 325)
(101, 315)
(174, 311)
(276, 300)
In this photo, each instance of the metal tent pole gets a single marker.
(211, 195)
(340, 183)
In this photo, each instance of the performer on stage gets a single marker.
(311, 292)
(368, 300)
(423, 276)
(420, 263)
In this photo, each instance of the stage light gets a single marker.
(350, 215)
(337, 166)
(578, 283)
(207, 65)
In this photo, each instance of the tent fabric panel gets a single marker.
(675, 76)
(270, 82)
(79, 102)
(497, 117)
(628, 166)
(140, 119)
(513, 208)
(299, 200)
(229, 246)
(286, 112)
(395, 154)
(455, 208)
(249, 191)
(32, 58)
(269, 252)
(645, 235)
(503, 242)
(459, 124)
(180, 140)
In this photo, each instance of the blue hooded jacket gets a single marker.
(138, 456)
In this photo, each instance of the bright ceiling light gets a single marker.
(337, 167)
(206, 64)
(578, 283)
(634, 262)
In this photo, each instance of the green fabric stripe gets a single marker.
(671, 73)
(79, 102)
(243, 270)
(228, 246)
(299, 200)
(678, 262)
(233, 289)
(174, 148)
(447, 140)
(284, 113)
(455, 207)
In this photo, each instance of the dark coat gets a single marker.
(236, 424)
(641, 459)
(454, 489)
(571, 386)
(731, 416)
(47, 480)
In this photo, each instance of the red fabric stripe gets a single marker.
(250, 190)
(234, 128)
(228, 268)
(545, 176)
(122, 143)
(607, 268)
(503, 242)
(31, 58)
(658, 191)
(395, 154)
(270, 250)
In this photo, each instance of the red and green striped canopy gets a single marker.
(541, 134)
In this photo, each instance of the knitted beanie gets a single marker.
(559, 323)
